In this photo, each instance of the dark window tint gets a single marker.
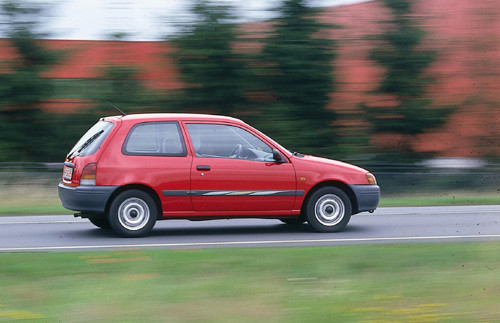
(155, 139)
(223, 141)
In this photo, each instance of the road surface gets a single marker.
(386, 225)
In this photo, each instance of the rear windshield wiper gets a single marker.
(89, 141)
(86, 144)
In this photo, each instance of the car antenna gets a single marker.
(114, 106)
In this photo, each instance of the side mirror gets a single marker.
(277, 156)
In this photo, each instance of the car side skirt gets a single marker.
(213, 215)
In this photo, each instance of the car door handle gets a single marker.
(202, 167)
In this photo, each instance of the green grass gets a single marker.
(445, 282)
(442, 199)
(18, 206)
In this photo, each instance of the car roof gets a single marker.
(143, 117)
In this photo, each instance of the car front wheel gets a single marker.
(132, 213)
(328, 210)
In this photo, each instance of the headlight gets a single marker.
(371, 179)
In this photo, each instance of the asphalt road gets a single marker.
(386, 225)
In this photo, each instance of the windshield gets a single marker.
(92, 139)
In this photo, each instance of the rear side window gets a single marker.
(155, 139)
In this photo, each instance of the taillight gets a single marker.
(88, 174)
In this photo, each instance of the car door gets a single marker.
(234, 171)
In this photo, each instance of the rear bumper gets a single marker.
(85, 199)
(367, 196)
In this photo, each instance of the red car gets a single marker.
(127, 172)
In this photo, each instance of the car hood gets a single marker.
(331, 162)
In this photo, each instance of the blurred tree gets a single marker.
(213, 73)
(25, 130)
(117, 85)
(120, 85)
(297, 71)
(409, 111)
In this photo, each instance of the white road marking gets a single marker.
(241, 243)
(43, 222)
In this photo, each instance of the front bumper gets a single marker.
(85, 199)
(367, 197)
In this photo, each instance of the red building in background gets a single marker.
(465, 33)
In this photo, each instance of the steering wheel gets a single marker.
(236, 152)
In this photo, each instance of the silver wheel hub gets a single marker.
(329, 210)
(133, 214)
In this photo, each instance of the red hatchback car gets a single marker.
(127, 172)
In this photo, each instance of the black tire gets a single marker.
(100, 222)
(294, 221)
(132, 213)
(328, 210)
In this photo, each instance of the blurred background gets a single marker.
(406, 89)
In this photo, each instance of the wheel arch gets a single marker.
(140, 187)
(338, 184)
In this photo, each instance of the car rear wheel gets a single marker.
(328, 210)
(132, 213)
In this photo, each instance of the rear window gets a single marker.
(155, 139)
(90, 142)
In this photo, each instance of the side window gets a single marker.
(223, 141)
(155, 139)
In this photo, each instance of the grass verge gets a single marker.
(445, 282)
(24, 195)
(441, 200)
(17, 205)
(36, 205)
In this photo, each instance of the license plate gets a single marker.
(67, 173)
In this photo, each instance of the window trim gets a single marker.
(179, 130)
